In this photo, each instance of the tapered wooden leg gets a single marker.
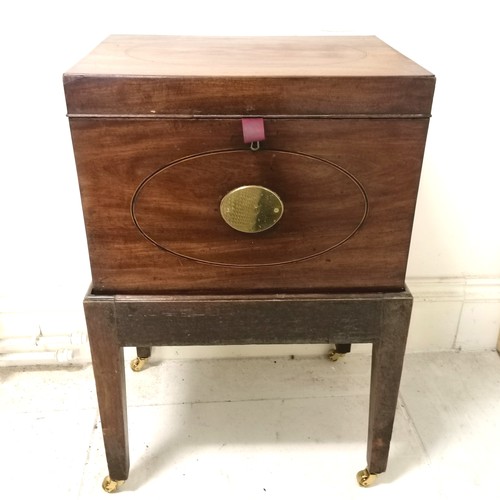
(109, 373)
(144, 352)
(343, 348)
(387, 365)
(338, 351)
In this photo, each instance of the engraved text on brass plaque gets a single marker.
(251, 209)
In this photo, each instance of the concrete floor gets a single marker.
(274, 428)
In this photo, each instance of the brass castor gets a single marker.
(365, 479)
(333, 355)
(138, 364)
(110, 485)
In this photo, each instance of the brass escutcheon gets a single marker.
(251, 209)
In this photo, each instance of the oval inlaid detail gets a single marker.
(245, 58)
(178, 207)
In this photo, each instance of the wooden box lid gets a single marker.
(154, 76)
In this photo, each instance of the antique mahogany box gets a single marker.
(265, 185)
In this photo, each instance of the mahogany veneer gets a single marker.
(156, 123)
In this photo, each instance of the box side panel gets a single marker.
(249, 96)
(115, 156)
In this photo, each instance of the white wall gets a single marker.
(456, 240)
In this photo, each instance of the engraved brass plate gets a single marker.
(251, 209)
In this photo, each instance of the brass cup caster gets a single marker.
(110, 485)
(138, 364)
(365, 479)
(333, 355)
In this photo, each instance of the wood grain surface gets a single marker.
(109, 373)
(248, 319)
(169, 56)
(122, 320)
(263, 76)
(115, 156)
(156, 129)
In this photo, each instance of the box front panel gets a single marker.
(344, 192)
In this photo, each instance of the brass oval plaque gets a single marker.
(251, 209)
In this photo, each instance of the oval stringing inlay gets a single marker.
(325, 207)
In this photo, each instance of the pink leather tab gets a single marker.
(253, 130)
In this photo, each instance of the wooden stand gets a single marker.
(133, 320)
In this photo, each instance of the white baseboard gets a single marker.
(454, 314)
(448, 314)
